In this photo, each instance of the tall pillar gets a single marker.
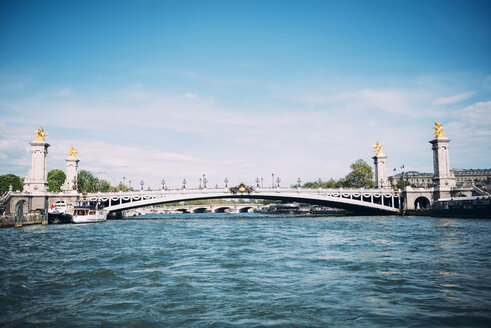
(36, 181)
(443, 178)
(70, 185)
(381, 180)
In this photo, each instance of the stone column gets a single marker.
(381, 180)
(35, 181)
(70, 184)
(443, 178)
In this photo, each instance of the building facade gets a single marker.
(463, 177)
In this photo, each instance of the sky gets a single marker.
(152, 90)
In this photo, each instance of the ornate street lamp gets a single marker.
(163, 184)
(199, 183)
(320, 182)
(299, 182)
(184, 183)
(204, 181)
(257, 182)
(278, 180)
(124, 182)
(262, 183)
(130, 184)
(226, 182)
(272, 180)
(141, 184)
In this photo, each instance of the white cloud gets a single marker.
(191, 95)
(453, 99)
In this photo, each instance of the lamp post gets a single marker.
(278, 180)
(130, 184)
(257, 182)
(226, 182)
(299, 182)
(204, 181)
(199, 183)
(184, 183)
(320, 182)
(163, 184)
(141, 184)
(262, 183)
(272, 180)
(124, 182)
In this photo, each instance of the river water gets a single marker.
(248, 270)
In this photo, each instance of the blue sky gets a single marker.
(242, 89)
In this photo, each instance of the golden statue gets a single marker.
(40, 134)
(439, 131)
(378, 149)
(73, 152)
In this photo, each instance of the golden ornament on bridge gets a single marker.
(439, 131)
(41, 135)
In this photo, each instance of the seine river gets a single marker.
(226, 270)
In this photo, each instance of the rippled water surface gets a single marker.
(216, 270)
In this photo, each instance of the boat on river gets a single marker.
(59, 212)
(89, 211)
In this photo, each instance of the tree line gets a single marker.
(86, 181)
(361, 176)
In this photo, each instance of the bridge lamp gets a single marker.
(141, 184)
(184, 183)
(204, 181)
(124, 182)
(278, 180)
(320, 182)
(226, 182)
(163, 184)
(262, 183)
(299, 182)
(199, 183)
(257, 182)
(272, 180)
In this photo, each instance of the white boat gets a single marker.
(89, 211)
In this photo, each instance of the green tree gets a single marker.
(10, 180)
(86, 181)
(401, 184)
(56, 178)
(360, 176)
(104, 186)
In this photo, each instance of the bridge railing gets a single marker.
(221, 190)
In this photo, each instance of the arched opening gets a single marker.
(182, 210)
(245, 209)
(223, 210)
(422, 203)
(201, 210)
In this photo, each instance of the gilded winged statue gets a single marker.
(41, 135)
(439, 131)
(378, 148)
(73, 152)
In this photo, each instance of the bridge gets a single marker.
(208, 208)
(376, 201)
(380, 200)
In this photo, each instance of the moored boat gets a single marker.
(89, 211)
(59, 212)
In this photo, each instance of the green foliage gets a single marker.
(360, 176)
(10, 180)
(56, 178)
(86, 181)
(401, 184)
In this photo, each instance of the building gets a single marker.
(463, 177)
